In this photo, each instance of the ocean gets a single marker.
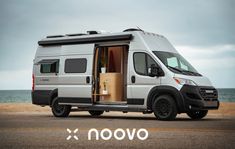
(24, 96)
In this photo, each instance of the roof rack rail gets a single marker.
(132, 29)
(55, 36)
(78, 34)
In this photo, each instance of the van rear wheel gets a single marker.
(60, 110)
(95, 113)
(164, 108)
(197, 115)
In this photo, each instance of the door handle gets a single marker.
(132, 79)
(87, 79)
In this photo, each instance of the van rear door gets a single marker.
(76, 74)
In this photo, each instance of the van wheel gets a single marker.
(60, 110)
(196, 115)
(164, 108)
(95, 113)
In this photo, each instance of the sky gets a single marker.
(202, 31)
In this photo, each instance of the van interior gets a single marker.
(109, 74)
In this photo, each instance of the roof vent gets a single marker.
(92, 32)
(132, 29)
(55, 36)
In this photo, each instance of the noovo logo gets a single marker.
(118, 134)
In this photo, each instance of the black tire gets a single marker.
(95, 113)
(164, 108)
(60, 110)
(197, 115)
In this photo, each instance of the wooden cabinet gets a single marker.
(114, 85)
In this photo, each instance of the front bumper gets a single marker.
(200, 97)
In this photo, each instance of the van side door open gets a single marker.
(110, 71)
(76, 74)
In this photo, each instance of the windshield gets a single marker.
(176, 63)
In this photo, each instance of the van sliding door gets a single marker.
(76, 77)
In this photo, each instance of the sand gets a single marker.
(23, 125)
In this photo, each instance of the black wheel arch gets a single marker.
(53, 94)
(44, 97)
(166, 90)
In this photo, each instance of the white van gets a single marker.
(129, 71)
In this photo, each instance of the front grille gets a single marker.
(193, 96)
(209, 94)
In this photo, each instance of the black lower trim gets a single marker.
(41, 97)
(188, 98)
(74, 100)
(105, 107)
(197, 98)
(163, 90)
(135, 101)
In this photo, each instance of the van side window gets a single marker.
(49, 66)
(142, 62)
(77, 65)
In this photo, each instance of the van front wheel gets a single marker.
(196, 115)
(60, 110)
(164, 108)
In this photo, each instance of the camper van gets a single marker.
(130, 71)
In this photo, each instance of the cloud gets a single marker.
(206, 26)
(215, 62)
(192, 22)
(208, 52)
(18, 79)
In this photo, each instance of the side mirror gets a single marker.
(155, 71)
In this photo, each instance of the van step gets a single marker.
(114, 107)
(112, 102)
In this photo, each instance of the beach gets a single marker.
(23, 125)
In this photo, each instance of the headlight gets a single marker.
(182, 81)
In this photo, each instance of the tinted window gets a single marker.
(150, 61)
(176, 63)
(142, 62)
(50, 67)
(75, 65)
(173, 62)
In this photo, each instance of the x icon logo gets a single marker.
(70, 136)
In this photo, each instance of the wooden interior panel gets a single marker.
(114, 85)
(95, 65)
(115, 58)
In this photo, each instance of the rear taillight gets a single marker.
(33, 84)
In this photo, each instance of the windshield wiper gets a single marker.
(195, 73)
(184, 71)
(179, 70)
